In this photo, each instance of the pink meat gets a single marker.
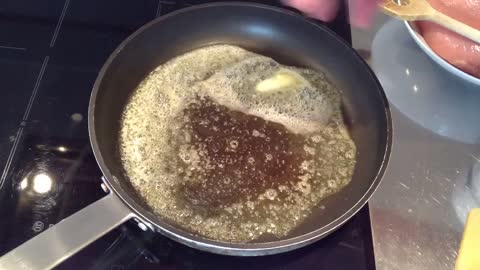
(455, 49)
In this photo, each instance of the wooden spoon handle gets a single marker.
(421, 10)
(456, 26)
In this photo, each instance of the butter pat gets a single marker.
(469, 254)
(282, 80)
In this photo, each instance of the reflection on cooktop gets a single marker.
(49, 58)
(49, 179)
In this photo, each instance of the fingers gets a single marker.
(324, 10)
(361, 11)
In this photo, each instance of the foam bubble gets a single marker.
(301, 109)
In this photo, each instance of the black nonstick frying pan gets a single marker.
(285, 36)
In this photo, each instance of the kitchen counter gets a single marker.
(433, 177)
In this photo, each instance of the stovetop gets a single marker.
(50, 54)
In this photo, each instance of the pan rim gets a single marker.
(231, 248)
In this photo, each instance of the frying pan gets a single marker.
(285, 36)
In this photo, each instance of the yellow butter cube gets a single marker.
(469, 254)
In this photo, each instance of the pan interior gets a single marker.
(289, 40)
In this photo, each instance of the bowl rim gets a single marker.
(412, 29)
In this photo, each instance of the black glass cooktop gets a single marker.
(50, 54)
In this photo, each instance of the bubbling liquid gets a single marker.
(210, 154)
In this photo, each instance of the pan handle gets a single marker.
(69, 236)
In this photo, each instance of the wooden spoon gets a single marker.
(416, 10)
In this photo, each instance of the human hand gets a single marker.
(361, 11)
